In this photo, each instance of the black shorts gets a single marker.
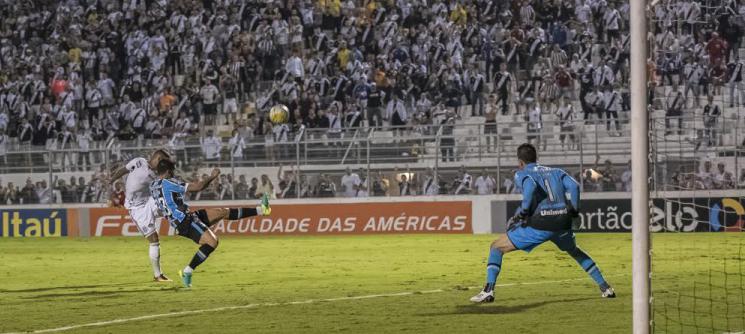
(396, 120)
(193, 226)
(210, 109)
(490, 127)
(566, 131)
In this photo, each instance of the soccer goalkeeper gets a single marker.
(544, 214)
(169, 192)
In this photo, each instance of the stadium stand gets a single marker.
(417, 93)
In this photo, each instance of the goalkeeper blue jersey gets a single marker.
(548, 196)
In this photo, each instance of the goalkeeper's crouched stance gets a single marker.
(169, 192)
(545, 214)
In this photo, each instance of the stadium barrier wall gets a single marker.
(601, 212)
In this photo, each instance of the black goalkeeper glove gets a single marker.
(517, 220)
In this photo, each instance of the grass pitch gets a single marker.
(408, 284)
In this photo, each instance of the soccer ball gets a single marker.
(279, 114)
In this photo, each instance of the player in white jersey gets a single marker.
(142, 208)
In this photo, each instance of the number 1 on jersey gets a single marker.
(549, 191)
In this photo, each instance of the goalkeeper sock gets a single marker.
(589, 266)
(201, 255)
(238, 213)
(493, 266)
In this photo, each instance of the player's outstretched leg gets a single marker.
(493, 266)
(217, 214)
(586, 262)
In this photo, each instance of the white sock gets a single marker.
(155, 258)
(259, 210)
(188, 270)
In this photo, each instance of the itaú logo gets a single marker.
(727, 209)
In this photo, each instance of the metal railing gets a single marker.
(397, 151)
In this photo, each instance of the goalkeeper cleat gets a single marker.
(185, 278)
(483, 297)
(265, 208)
(162, 278)
(608, 293)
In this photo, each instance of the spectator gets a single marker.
(211, 146)
(612, 106)
(229, 89)
(81, 189)
(462, 184)
(723, 179)
(534, 119)
(736, 73)
(28, 193)
(363, 186)
(502, 83)
(265, 188)
(83, 137)
(609, 177)
(209, 95)
(485, 184)
(242, 189)
(592, 104)
(705, 176)
(4, 139)
(237, 144)
(430, 186)
(12, 194)
(675, 103)
(43, 192)
(380, 185)
(626, 178)
(490, 124)
(349, 182)
(374, 106)
(693, 73)
(325, 187)
(508, 185)
(447, 141)
(397, 114)
(117, 195)
(711, 117)
(404, 186)
(565, 113)
(66, 194)
(306, 190)
(741, 181)
(287, 184)
(252, 191)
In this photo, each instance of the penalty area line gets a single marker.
(301, 302)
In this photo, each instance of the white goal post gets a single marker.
(640, 173)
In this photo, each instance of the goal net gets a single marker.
(696, 219)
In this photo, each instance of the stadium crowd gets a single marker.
(74, 73)
(357, 183)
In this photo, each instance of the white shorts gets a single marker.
(145, 217)
(230, 106)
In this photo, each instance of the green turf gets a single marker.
(49, 283)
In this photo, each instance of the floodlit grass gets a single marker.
(50, 283)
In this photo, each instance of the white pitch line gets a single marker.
(249, 306)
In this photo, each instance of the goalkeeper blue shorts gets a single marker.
(526, 238)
